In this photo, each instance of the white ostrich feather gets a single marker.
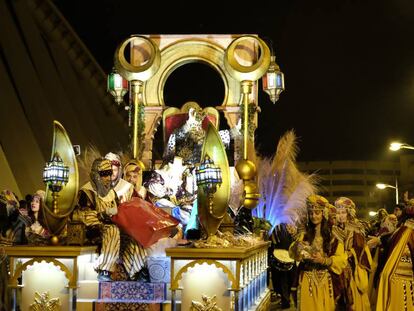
(283, 187)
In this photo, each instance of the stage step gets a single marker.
(100, 305)
(96, 305)
(127, 291)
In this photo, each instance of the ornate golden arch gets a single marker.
(184, 52)
(219, 265)
(179, 50)
(17, 273)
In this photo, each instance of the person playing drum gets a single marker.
(282, 266)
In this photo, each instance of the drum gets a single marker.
(282, 261)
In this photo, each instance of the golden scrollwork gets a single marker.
(208, 304)
(43, 302)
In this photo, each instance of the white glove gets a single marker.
(111, 211)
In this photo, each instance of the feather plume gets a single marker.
(283, 187)
(125, 157)
(85, 161)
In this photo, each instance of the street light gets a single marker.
(383, 186)
(395, 146)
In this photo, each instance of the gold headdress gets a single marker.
(348, 204)
(104, 165)
(133, 166)
(318, 202)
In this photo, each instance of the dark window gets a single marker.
(372, 204)
(371, 182)
(326, 182)
(347, 182)
(386, 172)
(348, 171)
(359, 205)
(372, 172)
(322, 172)
(348, 193)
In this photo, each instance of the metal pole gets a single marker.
(246, 90)
(396, 190)
(136, 87)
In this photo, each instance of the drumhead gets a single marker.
(283, 255)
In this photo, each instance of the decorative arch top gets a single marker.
(187, 51)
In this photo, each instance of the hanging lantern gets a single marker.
(208, 175)
(55, 176)
(273, 80)
(117, 86)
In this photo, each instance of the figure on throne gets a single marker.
(187, 140)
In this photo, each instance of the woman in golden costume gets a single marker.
(355, 275)
(321, 255)
(396, 285)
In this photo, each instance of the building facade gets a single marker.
(357, 180)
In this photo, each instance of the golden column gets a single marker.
(136, 75)
(247, 75)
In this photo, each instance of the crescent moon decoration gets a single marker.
(247, 73)
(150, 65)
(214, 148)
(55, 223)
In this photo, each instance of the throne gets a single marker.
(173, 118)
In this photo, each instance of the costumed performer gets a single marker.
(395, 288)
(355, 274)
(123, 189)
(321, 255)
(37, 232)
(187, 140)
(133, 174)
(97, 203)
(283, 270)
(173, 188)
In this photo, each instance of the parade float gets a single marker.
(219, 271)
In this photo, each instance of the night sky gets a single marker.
(349, 65)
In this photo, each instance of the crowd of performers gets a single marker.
(334, 261)
(112, 182)
(338, 262)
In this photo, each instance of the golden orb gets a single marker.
(55, 240)
(251, 195)
(246, 169)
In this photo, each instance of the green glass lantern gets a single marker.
(117, 86)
